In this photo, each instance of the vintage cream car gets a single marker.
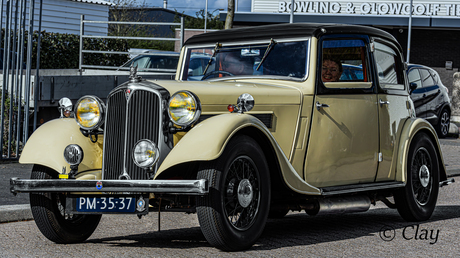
(265, 127)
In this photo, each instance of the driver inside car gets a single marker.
(233, 64)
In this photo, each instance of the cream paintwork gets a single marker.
(283, 100)
(213, 134)
(343, 143)
(46, 146)
(411, 128)
(392, 117)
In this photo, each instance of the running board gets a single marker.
(346, 189)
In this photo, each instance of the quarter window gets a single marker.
(389, 67)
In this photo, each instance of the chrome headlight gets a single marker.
(184, 108)
(89, 112)
(73, 154)
(145, 154)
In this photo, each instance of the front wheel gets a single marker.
(48, 210)
(417, 200)
(233, 215)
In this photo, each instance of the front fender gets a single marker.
(46, 146)
(411, 128)
(212, 135)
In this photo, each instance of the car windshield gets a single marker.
(272, 59)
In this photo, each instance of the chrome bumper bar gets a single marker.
(189, 187)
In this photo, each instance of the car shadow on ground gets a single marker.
(295, 229)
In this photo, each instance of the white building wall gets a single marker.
(361, 7)
(63, 16)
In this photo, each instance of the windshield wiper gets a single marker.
(267, 51)
(216, 49)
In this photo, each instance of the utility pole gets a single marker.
(409, 32)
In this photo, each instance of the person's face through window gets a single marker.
(232, 65)
(330, 71)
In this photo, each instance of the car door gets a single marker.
(394, 106)
(417, 95)
(344, 138)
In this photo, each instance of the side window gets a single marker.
(389, 67)
(344, 60)
(435, 77)
(414, 77)
(427, 80)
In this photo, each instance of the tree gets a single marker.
(230, 14)
(126, 10)
(198, 21)
(134, 11)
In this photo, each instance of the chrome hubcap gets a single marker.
(422, 182)
(245, 193)
(424, 175)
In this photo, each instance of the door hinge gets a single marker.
(380, 157)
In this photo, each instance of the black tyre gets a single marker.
(48, 210)
(233, 215)
(417, 200)
(443, 124)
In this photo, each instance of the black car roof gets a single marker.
(289, 30)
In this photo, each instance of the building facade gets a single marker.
(63, 16)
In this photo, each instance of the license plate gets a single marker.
(106, 204)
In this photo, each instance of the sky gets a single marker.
(190, 7)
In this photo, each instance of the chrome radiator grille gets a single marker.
(127, 122)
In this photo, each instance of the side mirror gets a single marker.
(412, 87)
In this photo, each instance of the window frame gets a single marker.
(344, 87)
(403, 70)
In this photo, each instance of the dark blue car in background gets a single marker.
(430, 97)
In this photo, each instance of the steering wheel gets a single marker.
(216, 72)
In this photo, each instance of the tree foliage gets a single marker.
(197, 22)
(134, 11)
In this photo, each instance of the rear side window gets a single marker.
(427, 80)
(389, 67)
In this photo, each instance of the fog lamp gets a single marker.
(145, 154)
(73, 154)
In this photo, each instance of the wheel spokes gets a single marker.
(241, 172)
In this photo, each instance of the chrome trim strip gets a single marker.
(189, 187)
(363, 188)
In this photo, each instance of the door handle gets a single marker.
(381, 102)
(319, 105)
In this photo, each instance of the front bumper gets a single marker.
(186, 187)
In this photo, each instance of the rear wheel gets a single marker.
(48, 210)
(417, 200)
(233, 215)
(443, 124)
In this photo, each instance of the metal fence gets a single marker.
(81, 65)
(20, 88)
(16, 74)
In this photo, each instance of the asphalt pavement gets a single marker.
(16, 208)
